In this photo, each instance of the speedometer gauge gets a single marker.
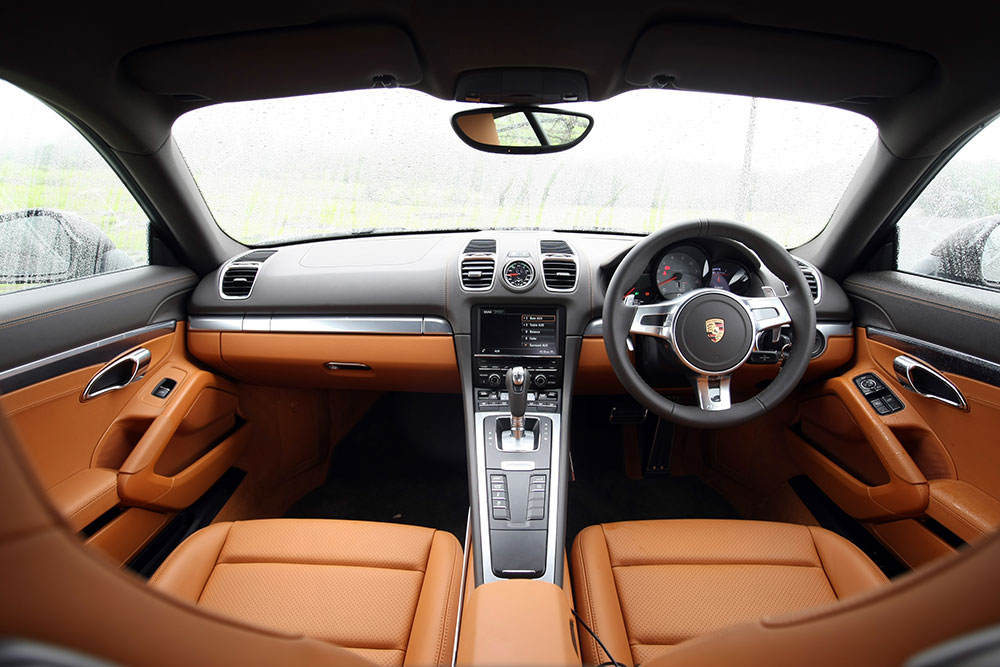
(730, 276)
(678, 271)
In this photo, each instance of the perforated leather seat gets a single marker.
(644, 586)
(385, 591)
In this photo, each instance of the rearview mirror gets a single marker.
(521, 129)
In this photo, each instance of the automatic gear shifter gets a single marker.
(517, 439)
(517, 390)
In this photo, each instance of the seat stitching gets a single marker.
(447, 611)
(704, 563)
(829, 582)
(229, 531)
(590, 602)
(618, 596)
(295, 562)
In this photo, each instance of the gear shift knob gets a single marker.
(518, 381)
(517, 390)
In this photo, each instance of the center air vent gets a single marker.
(239, 275)
(478, 265)
(559, 266)
(812, 278)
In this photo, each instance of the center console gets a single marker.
(518, 383)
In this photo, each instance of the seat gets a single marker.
(388, 592)
(644, 586)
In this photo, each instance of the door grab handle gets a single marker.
(346, 366)
(924, 380)
(121, 372)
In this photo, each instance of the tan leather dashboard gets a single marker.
(345, 361)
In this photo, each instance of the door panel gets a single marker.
(944, 454)
(129, 449)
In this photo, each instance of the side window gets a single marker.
(64, 214)
(952, 230)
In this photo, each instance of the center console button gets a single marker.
(494, 379)
(540, 380)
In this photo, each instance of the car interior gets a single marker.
(432, 334)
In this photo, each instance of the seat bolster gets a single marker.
(597, 598)
(186, 571)
(432, 635)
(848, 568)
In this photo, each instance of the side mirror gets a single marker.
(521, 129)
(41, 246)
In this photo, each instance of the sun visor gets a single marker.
(773, 63)
(278, 63)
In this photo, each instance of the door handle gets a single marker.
(121, 372)
(924, 380)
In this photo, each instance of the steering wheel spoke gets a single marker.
(654, 319)
(713, 392)
(768, 312)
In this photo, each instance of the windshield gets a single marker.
(387, 160)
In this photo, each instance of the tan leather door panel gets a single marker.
(910, 472)
(128, 448)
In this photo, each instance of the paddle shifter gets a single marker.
(517, 438)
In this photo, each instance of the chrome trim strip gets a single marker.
(835, 328)
(595, 328)
(553, 551)
(98, 352)
(402, 325)
(942, 358)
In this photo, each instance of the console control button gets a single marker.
(498, 497)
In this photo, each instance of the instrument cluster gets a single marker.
(685, 267)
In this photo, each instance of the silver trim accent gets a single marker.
(803, 264)
(461, 586)
(571, 256)
(346, 366)
(553, 552)
(517, 466)
(138, 359)
(413, 326)
(713, 393)
(477, 255)
(905, 366)
(100, 351)
(835, 328)
(522, 288)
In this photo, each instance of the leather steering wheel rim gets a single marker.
(619, 317)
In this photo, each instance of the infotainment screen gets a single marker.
(518, 331)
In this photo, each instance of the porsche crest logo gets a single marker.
(715, 328)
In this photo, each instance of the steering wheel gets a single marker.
(711, 331)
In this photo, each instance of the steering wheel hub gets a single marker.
(713, 333)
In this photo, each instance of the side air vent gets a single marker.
(479, 246)
(812, 279)
(559, 266)
(560, 247)
(237, 279)
(478, 265)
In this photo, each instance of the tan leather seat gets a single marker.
(644, 586)
(385, 591)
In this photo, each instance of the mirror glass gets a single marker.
(521, 129)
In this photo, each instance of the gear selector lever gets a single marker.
(517, 439)
(517, 391)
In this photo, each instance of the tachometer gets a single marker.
(679, 271)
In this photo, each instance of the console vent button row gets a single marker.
(238, 276)
(559, 266)
(478, 264)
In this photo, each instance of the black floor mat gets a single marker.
(404, 462)
(602, 492)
